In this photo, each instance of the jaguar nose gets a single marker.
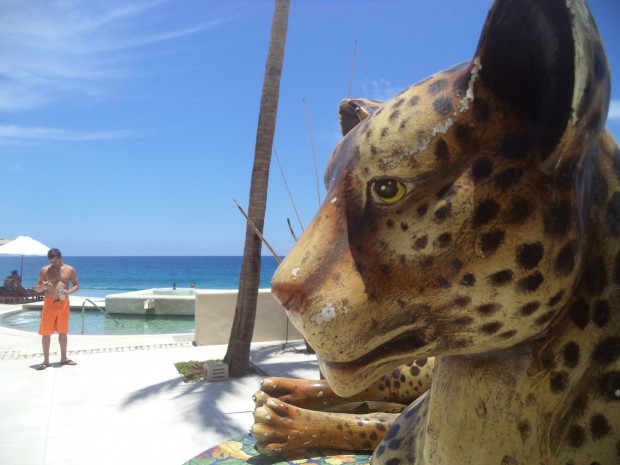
(287, 295)
(291, 299)
(282, 295)
(303, 272)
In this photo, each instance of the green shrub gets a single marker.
(193, 370)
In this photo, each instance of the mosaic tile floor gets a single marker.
(241, 451)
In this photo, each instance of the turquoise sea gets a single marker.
(100, 276)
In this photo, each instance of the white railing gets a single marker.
(98, 308)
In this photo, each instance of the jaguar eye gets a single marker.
(388, 190)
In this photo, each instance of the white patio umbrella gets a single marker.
(24, 245)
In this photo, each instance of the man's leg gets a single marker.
(45, 342)
(62, 340)
(46, 329)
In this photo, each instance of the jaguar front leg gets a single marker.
(281, 428)
(295, 414)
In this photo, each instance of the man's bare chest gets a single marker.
(54, 275)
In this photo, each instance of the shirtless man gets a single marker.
(54, 279)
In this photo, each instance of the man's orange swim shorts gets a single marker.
(55, 316)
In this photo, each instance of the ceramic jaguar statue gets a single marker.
(472, 230)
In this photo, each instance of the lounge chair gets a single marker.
(14, 292)
(8, 297)
(30, 294)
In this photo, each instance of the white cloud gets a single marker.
(14, 168)
(614, 111)
(380, 90)
(55, 49)
(39, 133)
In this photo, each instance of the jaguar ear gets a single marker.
(544, 59)
(352, 111)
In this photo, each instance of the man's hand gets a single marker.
(43, 286)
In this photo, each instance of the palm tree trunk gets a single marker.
(238, 353)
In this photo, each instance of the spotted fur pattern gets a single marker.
(475, 218)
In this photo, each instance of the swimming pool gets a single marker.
(96, 323)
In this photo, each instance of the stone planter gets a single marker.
(216, 371)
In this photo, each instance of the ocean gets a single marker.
(100, 276)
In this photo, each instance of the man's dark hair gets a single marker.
(53, 253)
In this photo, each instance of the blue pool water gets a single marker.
(96, 323)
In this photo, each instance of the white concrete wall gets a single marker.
(164, 302)
(215, 311)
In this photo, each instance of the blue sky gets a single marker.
(127, 127)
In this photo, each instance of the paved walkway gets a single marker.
(124, 402)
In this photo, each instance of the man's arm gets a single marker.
(74, 281)
(42, 284)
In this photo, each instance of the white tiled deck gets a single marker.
(124, 402)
